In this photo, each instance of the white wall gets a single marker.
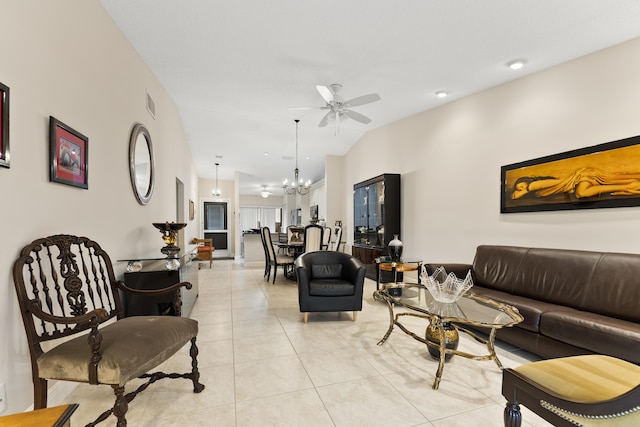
(450, 159)
(67, 59)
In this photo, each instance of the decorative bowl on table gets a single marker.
(169, 232)
(445, 287)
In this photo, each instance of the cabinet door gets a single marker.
(375, 196)
(360, 216)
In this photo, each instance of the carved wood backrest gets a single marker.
(64, 276)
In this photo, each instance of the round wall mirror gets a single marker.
(141, 164)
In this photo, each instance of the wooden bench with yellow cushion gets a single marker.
(589, 390)
(205, 249)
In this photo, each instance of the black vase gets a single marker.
(451, 339)
(395, 249)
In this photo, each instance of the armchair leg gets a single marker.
(512, 415)
(305, 317)
(355, 316)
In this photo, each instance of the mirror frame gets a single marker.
(139, 130)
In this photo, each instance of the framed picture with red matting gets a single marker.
(69, 155)
(5, 157)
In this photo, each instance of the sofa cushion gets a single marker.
(331, 288)
(614, 289)
(593, 332)
(326, 271)
(558, 276)
(530, 309)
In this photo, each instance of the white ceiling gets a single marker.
(234, 67)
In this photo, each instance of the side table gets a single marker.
(384, 263)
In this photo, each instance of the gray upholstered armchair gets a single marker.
(329, 281)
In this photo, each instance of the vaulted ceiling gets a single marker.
(234, 68)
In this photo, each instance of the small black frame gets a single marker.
(5, 156)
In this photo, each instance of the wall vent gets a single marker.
(151, 106)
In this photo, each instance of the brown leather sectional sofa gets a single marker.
(573, 302)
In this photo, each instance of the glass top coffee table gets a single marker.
(445, 320)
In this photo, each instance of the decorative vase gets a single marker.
(169, 232)
(395, 248)
(451, 339)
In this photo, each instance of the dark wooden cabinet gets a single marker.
(376, 218)
(155, 275)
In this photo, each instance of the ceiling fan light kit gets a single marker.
(297, 185)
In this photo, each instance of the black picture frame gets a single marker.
(5, 155)
(68, 155)
(601, 176)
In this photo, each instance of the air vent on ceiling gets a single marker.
(287, 157)
(151, 106)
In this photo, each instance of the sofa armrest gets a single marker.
(460, 270)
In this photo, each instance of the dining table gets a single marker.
(295, 249)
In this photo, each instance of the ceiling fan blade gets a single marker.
(361, 100)
(306, 108)
(326, 93)
(330, 115)
(357, 116)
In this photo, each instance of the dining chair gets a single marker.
(274, 259)
(335, 246)
(313, 237)
(295, 234)
(326, 238)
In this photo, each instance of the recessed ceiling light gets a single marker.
(442, 94)
(516, 64)
(266, 154)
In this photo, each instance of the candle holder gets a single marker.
(169, 231)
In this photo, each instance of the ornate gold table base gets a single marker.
(435, 322)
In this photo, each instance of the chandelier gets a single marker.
(297, 185)
(216, 191)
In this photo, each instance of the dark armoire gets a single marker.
(376, 217)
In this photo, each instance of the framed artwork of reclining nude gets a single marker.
(602, 176)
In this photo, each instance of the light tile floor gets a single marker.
(262, 366)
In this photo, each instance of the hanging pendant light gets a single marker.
(216, 191)
(297, 185)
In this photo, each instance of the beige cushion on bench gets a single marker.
(150, 341)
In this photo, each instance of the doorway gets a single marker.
(216, 226)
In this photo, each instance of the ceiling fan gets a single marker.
(339, 109)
